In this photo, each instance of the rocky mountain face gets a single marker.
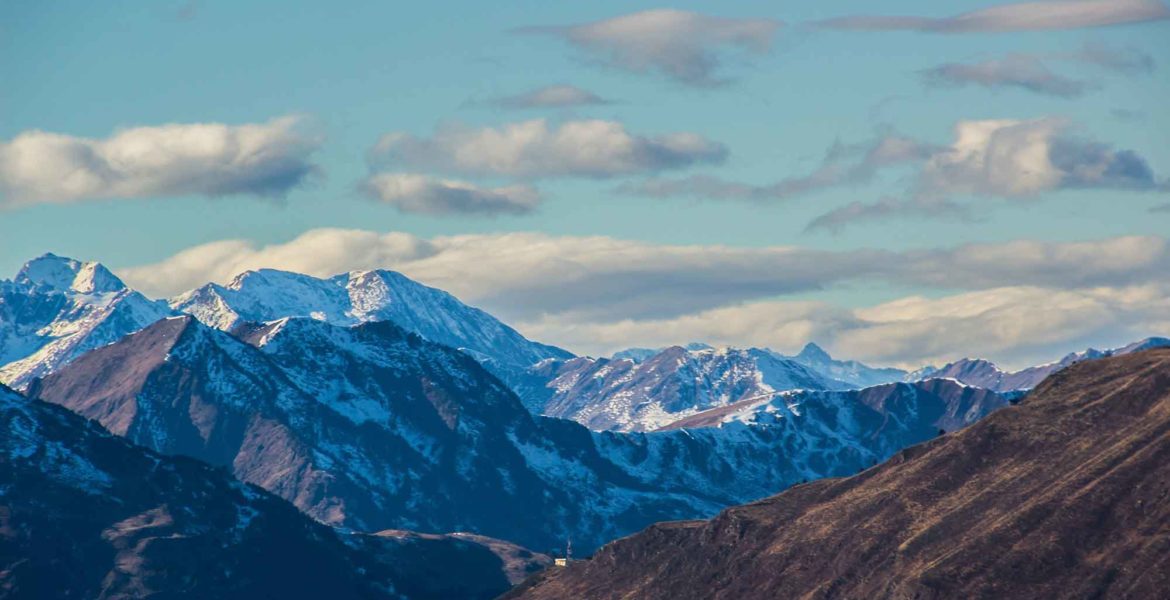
(642, 395)
(85, 514)
(56, 309)
(364, 296)
(370, 427)
(854, 373)
(1063, 496)
(984, 373)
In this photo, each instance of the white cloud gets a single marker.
(552, 96)
(207, 159)
(1019, 325)
(412, 193)
(1012, 158)
(1026, 16)
(1003, 158)
(684, 46)
(588, 148)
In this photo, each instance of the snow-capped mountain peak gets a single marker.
(850, 371)
(63, 274)
(813, 352)
(358, 297)
(57, 308)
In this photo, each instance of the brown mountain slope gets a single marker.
(1065, 496)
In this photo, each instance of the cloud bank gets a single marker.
(1022, 299)
(684, 46)
(205, 159)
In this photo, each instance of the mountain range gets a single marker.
(378, 407)
(1062, 496)
(370, 427)
(57, 308)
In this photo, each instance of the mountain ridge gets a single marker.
(1063, 495)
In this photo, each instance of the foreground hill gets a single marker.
(85, 514)
(1065, 496)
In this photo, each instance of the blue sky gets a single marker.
(354, 73)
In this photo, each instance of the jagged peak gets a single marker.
(63, 274)
(972, 362)
(811, 351)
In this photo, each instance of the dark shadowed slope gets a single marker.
(85, 514)
(1065, 496)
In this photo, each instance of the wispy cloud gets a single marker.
(684, 46)
(1031, 72)
(1020, 71)
(420, 194)
(885, 208)
(206, 159)
(1027, 16)
(589, 148)
(552, 96)
(843, 164)
(1124, 60)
